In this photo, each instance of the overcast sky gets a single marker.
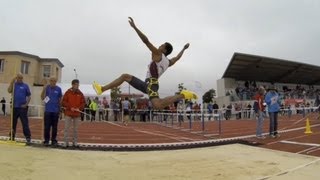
(95, 38)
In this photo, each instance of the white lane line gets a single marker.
(210, 135)
(178, 136)
(115, 124)
(306, 150)
(311, 151)
(289, 130)
(290, 170)
(298, 121)
(299, 143)
(158, 134)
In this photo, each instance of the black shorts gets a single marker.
(150, 86)
(125, 112)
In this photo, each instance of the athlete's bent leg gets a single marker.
(115, 83)
(162, 103)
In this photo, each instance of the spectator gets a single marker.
(238, 109)
(228, 112)
(172, 110)
(215, 108)
(126, 110)
(180, 109)
(150, 112)
(93, 109)
(317, 100)
(224, 111)
(143, 113)
(273, 102)
(133, 112)
(3, 102)
(87, 109)
(115, 108)
(189, 110)
(249, 107)
(259, 110)
(165, 112)
(21, 98)
(196, 111)
(100, 110)
(73, 101)
(106, 108)
(210, 110)
(244, 110)
(51, 95)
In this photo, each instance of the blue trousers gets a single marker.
(260, 118)
(273, 128)
(51, 120)
(23, 114)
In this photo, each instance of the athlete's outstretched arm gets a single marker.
(143, 37)
(175, 59)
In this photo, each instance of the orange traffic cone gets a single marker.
(308, 128)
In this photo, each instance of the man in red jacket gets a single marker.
(73, 102)
(260, 111)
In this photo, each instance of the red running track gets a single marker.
(295, 140)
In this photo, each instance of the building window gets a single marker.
(25, 67)
(46, 71)
(1, 65)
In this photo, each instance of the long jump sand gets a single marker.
(220, 162)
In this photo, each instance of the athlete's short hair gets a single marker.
(75, 81)
(169, 48)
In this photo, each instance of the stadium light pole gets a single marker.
(75, 73)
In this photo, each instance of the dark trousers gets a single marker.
(93, 115)
(143, 116)
(51, 120)
(101, 115)
(273, 128)
(133, 115)
(82, 116)
(88, 112)
(188, 115)
(107, 115)
(21, 113)
(228, 114)
(115, 114)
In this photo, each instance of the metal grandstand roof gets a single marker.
(247, 67)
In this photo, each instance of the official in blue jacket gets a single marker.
(272, 99)
(21, 98)
(51, 95)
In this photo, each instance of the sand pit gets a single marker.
(221, 162)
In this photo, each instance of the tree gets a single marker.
(208, 96)
(115, 93)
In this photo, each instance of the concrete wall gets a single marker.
(222, 100)
(224, 85)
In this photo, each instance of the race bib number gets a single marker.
(46, 99)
